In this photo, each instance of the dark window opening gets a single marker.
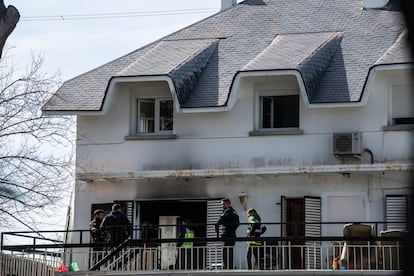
(195, 211)
(280, 111)
(403, 121)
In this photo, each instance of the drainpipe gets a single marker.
(226, 4)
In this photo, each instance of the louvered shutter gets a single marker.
(313, 229)
(396, 212)
(128, 207)
(214, 249)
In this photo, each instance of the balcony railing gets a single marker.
(32, 253)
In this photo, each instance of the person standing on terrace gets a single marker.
(230, 220)
(117, 224)
(254, 230)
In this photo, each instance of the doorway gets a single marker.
(195, 211)
(301, 217)
(167, 214)
(295, 227)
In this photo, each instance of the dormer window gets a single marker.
(151, 112)
(279, 111)
(154, 115)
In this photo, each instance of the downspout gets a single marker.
(68, 218)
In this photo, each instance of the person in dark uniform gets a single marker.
(230, 221)
(117, 225)
(97, 235)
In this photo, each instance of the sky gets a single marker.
(76, 36)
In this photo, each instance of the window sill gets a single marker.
(151, 136)
(398, 128)
(284, 131)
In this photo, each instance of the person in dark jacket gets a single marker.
(149, 232)
(117, 225)
(230, 221)
(97, 236)
(184, 255)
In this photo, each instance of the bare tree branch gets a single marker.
(36, 151)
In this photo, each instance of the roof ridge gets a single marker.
(402, 38)
(195, 38)
(198, 51)
(328, 40)
(158, 45)
(187, 73)
(311, 67)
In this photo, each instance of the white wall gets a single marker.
(221, 140)
(264, 193)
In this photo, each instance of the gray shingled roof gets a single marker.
(332, 43)
(398, 53)
(182, 60)
(308, 53)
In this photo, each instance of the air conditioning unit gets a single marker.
(347, 143)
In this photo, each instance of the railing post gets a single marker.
(1, 241)
(290, 255)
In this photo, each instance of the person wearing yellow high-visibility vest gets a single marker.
(189, 234)
(253, 231)
(184, 254)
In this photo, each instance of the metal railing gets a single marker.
(40, 254)
(28, 264)
(286, 256)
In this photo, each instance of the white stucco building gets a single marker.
(302, 107)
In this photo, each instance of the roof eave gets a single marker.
(110, 91)
(280, 72)
(373, 71)
(234, 90)
(235, 86)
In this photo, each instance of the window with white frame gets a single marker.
(402, 102)
(154, 115)
(278, 111)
